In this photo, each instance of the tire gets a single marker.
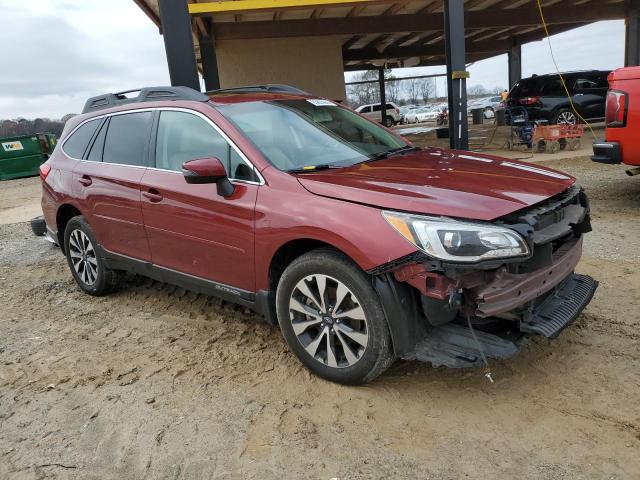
(553, 147)
(388, 122)
(335, 346)
(541, 146)
(565, 116)
(38, 226)
(90, 271)
(574, 144)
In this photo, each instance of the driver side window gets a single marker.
(183, 136)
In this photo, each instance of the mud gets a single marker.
(155, 382)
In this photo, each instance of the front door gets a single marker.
(192, 229)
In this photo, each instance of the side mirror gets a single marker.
(208, 170)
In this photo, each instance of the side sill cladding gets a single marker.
(258, 303)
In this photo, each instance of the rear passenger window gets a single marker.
(76, 144)
(183, 136)
(127, 139)
(95, 154)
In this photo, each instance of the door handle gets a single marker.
(85, 180)
(153, 195)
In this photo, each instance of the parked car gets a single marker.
(622, 120)
(424, 114)
(360, 246)
(545, 98)
(488, 104)
(374, 112)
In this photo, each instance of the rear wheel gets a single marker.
(565, 116)
(332, 319)
(87, 267)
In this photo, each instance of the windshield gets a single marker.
(302, 134)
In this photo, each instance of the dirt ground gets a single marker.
(157, 383)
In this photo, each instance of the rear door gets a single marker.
(590, 94)
(191, 228)
(107, 183)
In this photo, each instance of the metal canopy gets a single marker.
(395, 33)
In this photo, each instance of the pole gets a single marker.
(383, 96)
(456, 74)
(178, 43)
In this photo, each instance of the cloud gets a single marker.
(55, 57)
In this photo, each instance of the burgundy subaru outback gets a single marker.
(360, 246)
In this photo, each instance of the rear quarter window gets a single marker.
(77, 143)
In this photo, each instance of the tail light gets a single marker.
(616, 110)
(45, 168)
(529, 100)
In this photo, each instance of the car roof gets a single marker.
(572, 72)
(229, 97)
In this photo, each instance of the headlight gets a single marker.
(456, 241)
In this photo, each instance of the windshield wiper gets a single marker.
(313, 168)
(393, 151)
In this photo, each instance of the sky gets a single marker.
(55, 54)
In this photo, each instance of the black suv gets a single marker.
(545, 98)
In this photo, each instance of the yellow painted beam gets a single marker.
(230, 6)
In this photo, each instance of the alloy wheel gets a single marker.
(567, 118)
(83, 257)
(328, 320)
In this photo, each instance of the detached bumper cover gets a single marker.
(607, 152)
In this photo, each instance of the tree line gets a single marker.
(22, 126)
(402, 92)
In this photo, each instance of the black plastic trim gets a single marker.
(403, 311)
(147, 94)
(205, 286)
(607, 152)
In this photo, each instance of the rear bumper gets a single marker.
(607, 152)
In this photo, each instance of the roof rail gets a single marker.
(269, 87)
(147, 94)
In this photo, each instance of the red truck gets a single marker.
(622, 143)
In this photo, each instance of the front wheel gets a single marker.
(388, 122)
(332, 318)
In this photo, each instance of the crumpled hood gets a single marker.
(441, 182)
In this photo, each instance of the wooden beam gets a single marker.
(525, 16)
(235, 6)
(361, 54)
(476, 50)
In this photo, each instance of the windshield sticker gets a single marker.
(321, 102)
(12, 146)
(529, 168)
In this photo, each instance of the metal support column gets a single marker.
(632, 35)
(515, 65)
(456, 74)
(178, 43)
(383, 95)
(209, 61)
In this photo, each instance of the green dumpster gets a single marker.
(22, 156)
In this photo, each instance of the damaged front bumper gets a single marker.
(500, 304)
